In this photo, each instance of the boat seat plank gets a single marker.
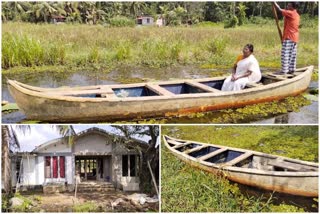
(239, 159)
(277, 77)
(195, 149)
(181, 145)
(109, 93)
(202, 86)
(159, 90)
(290, 166)
(174, 142)
(284, 165)
(253, 84)
(212, 154)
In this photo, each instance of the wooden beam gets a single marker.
(219, 151)
(159, 90)
(239, 159)
(201, 86)
(195, 149)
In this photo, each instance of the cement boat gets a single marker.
(269, 172)
(154, 99)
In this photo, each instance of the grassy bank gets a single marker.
(25, 44)
(185, 189)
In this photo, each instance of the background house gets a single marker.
(145, 20)
(96, 155)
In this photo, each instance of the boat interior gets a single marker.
(223, 157)
(212, 85)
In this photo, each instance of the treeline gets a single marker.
(175, 13)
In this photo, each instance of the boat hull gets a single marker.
(300, 183)
(38, 106)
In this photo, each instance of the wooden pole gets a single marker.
(277, 21)
(153, 179)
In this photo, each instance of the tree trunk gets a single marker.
(6, 162)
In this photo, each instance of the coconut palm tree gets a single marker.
(10, 144)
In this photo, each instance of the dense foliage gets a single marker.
(175, 13)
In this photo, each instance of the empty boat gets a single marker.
(269, 172)
(154, 99)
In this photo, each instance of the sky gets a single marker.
(40, 134)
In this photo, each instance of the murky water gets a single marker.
(306, 115)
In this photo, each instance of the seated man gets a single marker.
(245, 70)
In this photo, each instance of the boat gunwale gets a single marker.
(25, 89)
(225, 167)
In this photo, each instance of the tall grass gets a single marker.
(25, 44)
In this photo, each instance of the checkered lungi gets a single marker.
(288, 56)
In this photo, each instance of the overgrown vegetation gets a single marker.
(31, 45)
(185, 189)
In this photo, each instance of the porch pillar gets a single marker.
(85, 169)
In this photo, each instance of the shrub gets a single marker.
(217, 46)
(121, 21)
(231, 23)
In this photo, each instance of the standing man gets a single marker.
(290, 38)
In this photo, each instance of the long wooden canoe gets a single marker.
(154, 99)
(250, 168)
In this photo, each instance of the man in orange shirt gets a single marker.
(290, 38)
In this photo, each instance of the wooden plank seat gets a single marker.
(159, 90)
(253, 84)
(201, 86)
(109, 92)
(283, 165)
(279, 77)
(174, 142)
(181, 145)
(239, 159)
(195, 149)
(219, 151)
(290, 166)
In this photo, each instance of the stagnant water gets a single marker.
(306, 115)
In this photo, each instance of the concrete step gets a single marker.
(95, 187)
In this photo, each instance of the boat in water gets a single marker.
(149, 100)
(265, 171)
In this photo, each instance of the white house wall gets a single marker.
(91, 144)
(58, 147)
(29, 172)
(70, 169)
(40, 170)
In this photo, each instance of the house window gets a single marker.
(47, 170)
(54, 167)
(125, 165)
(62, 166)
(148, 20)
(129, 166)
(132, 165)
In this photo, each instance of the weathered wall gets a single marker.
(57, 147)
(29, 174)
(92, 143)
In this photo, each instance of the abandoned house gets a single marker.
(96, 155)
(145, 20)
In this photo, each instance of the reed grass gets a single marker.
(26, 44)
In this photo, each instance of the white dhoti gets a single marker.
(247, 64)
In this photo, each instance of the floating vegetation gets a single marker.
(10, 107)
